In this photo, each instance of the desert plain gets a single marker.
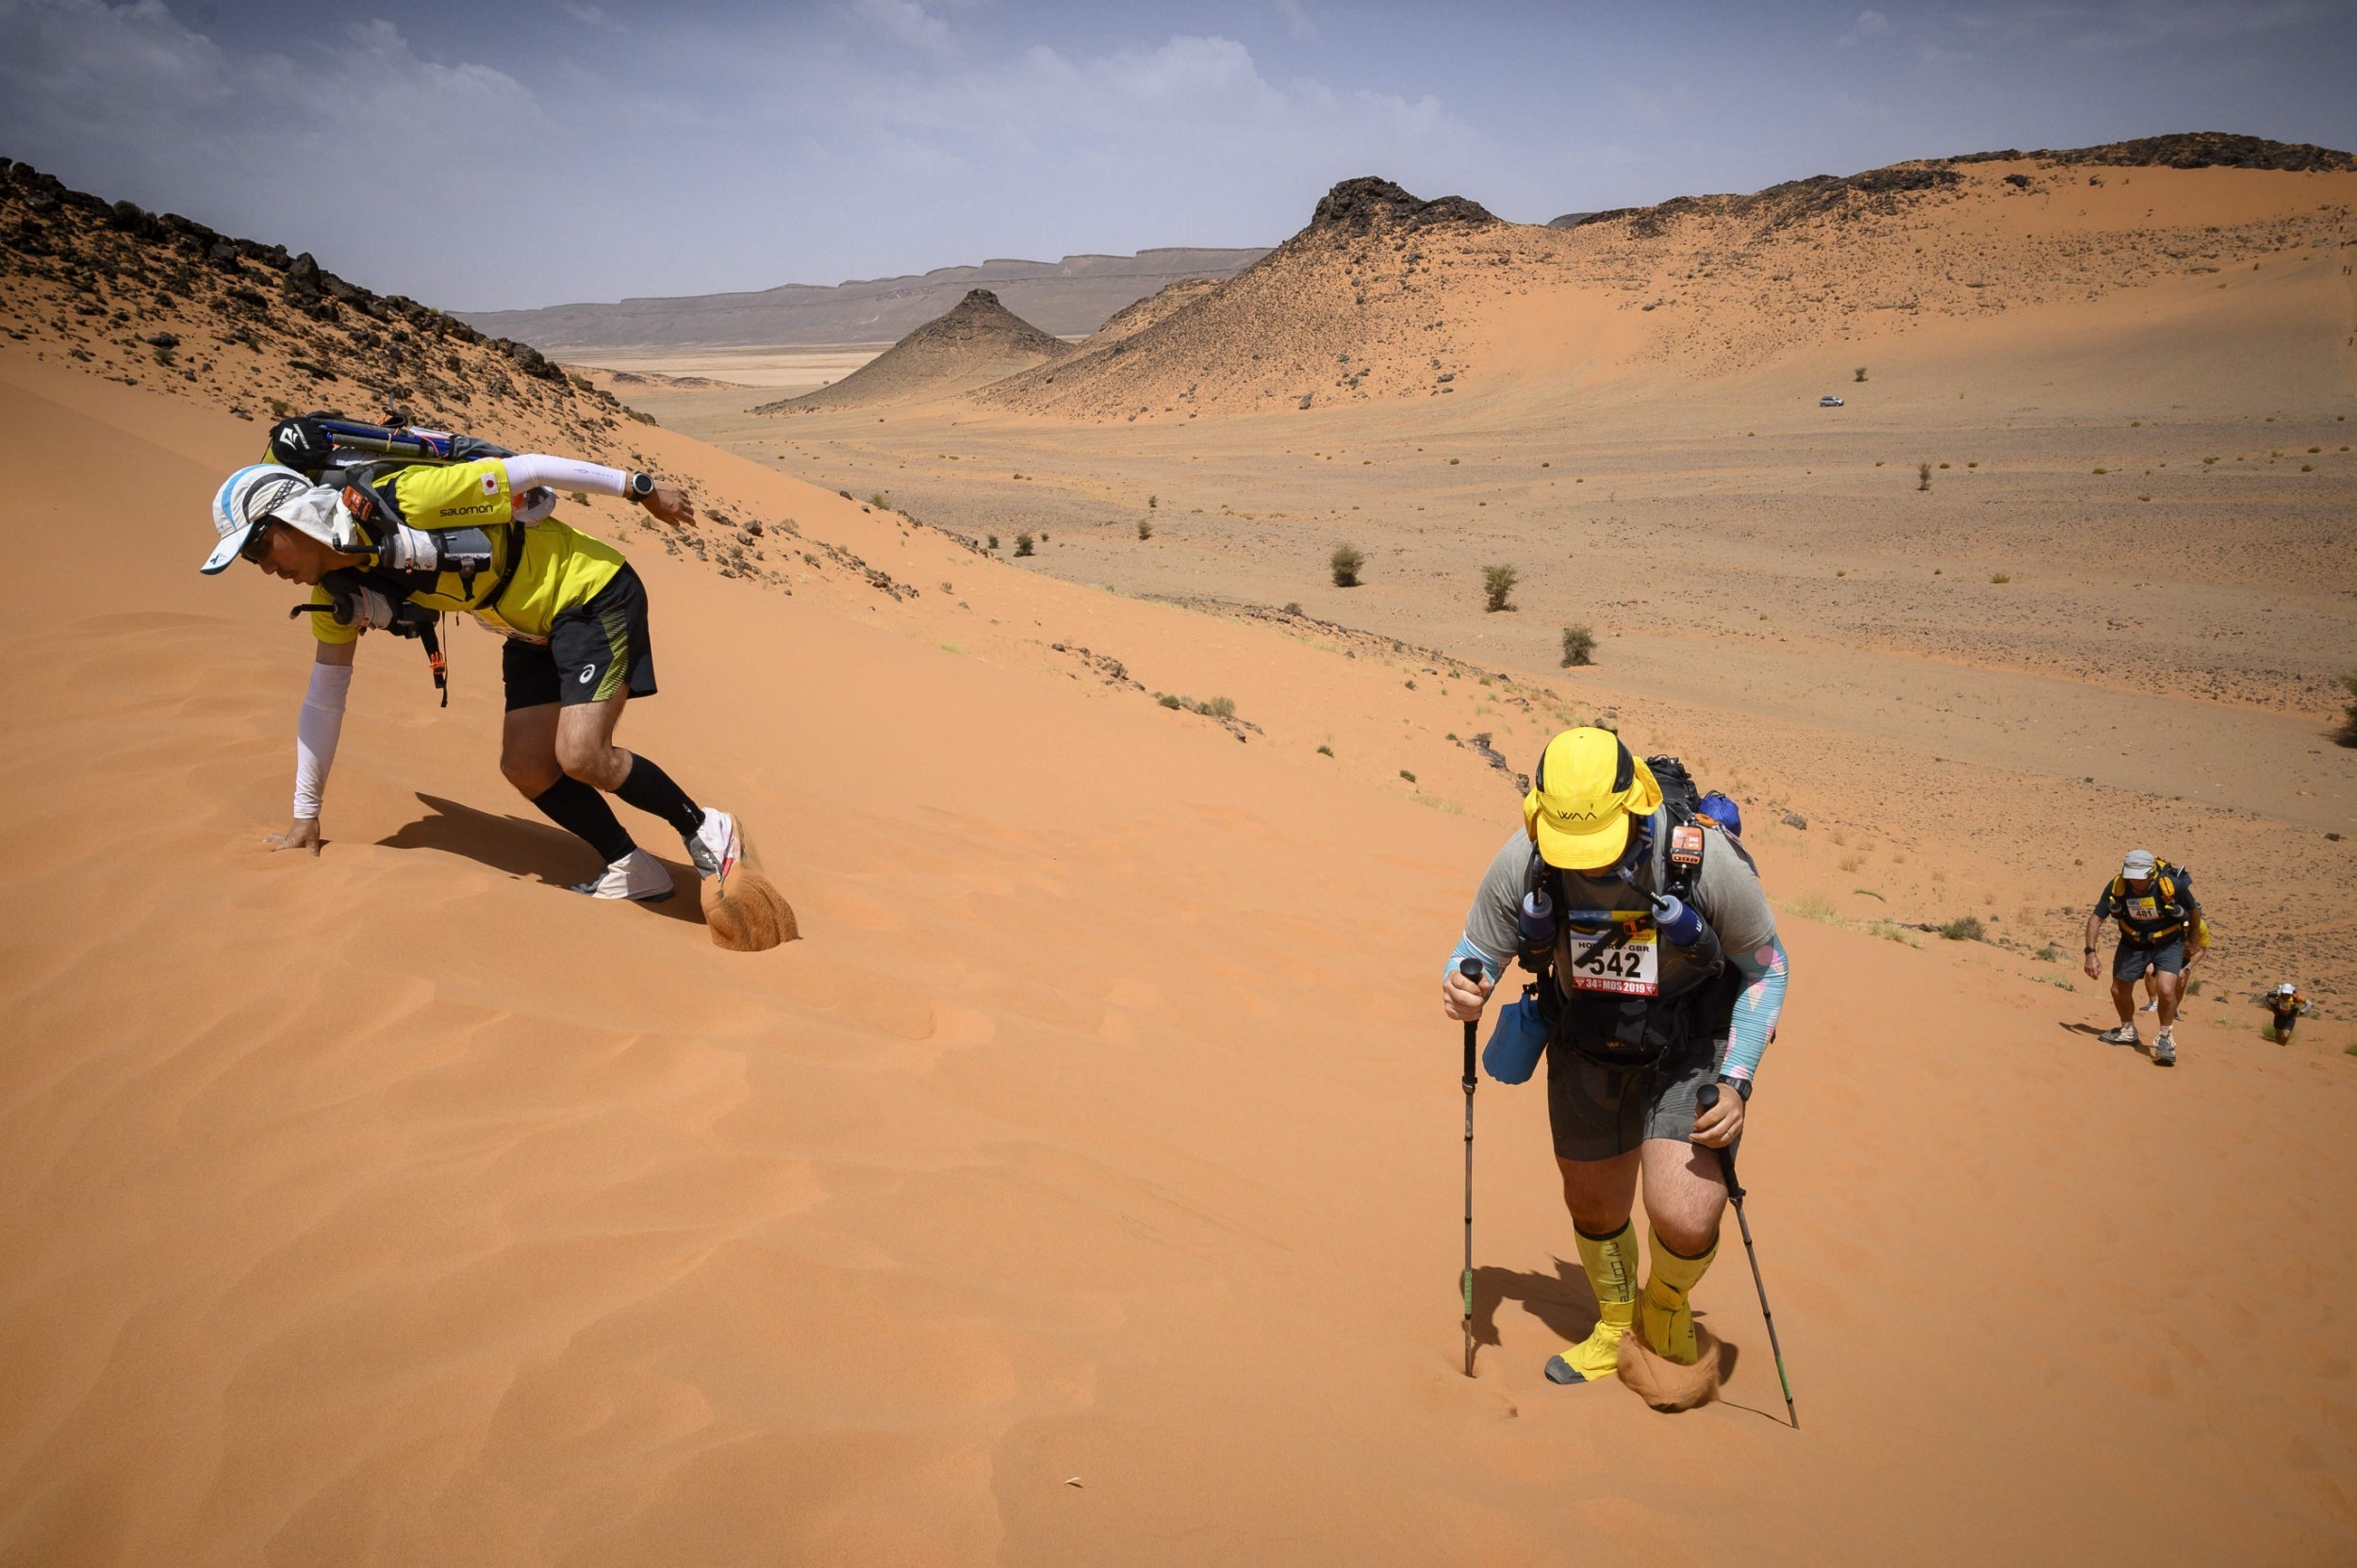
(1084, 1185)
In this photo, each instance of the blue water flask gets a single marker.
(1535, 926)
(1679, 922)
(1516, 1042)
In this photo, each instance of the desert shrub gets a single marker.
(1497, 587)
(1405, 774)
(994, 540)
(1166, 700)
(1145, 528)
(1293, 606)
(1579, 646)
(2001, 576)
(2347, 735)
(1922, 476)
(1814, 906)
(1965, 927)
(1152, 502)
(1859, 373)
(1325, 751)
(1023, 544)
(1216, 707)
(1346, 564)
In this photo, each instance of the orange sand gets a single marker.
(398, 1207)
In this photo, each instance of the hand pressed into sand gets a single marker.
(1462, 1000)
(302, 833)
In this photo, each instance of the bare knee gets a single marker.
(533, 776)
(597, 764)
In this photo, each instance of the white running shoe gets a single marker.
(2124, 1035)
(2151, 1004)
(715, 847)
(637, 876)
(2164, 1048)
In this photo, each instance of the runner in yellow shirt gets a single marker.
(477, 537)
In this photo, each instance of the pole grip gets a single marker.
(1471, 969)
(1705, 1098)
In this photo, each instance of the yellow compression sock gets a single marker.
(1611, 1266)
(1668, 1321)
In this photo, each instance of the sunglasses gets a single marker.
(257, 541)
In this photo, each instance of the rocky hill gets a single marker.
(1383, 295)
(1348, 306)
(141, 298)
(975, 343)
(1067, 298)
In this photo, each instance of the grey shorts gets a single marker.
(2129, 960)
(1597, 1112)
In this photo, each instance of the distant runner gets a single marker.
(477, 536)
(2287, 1003)
(2157, 913)
(1637, 996)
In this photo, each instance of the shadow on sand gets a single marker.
(1564, 1303)
(533, 852)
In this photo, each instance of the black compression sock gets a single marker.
(650, 789)
(583, 811)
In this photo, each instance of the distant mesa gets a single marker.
(1068, 298)
(976, 342)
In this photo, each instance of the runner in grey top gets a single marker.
(1642, 1011)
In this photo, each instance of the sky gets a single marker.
(499, 154)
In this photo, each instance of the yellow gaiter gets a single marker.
(1668, 1321)
(1611, 1266)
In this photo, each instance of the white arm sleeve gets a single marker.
(320, 725)
(563, 474)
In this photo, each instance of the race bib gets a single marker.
(2144, 909)
(1629, 967)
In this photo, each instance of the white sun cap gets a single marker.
(252, 495)
(2138, 865)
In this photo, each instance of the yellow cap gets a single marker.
(1586, 789)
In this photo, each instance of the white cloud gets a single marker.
(1296, 18)
(1869, 25)
(312, 150)
(590, 15)
(906, 21)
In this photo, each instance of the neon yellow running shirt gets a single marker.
(561, 568)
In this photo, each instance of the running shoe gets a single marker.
(2124, 1035)
(637, 876)
(715, 847)
(2151, 1004)
(2164, 1049)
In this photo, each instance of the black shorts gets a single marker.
(2129, 960)
(1595, 1113)
(597, 648)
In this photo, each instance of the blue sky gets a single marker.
(535, 151)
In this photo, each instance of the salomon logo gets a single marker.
(587, 671)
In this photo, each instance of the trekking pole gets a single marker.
(1706, 1100)
(1471, 969)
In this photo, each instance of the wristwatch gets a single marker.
(2091, 952)
(639, 486)
(1742, 1087)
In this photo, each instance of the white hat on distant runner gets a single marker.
(2138, 865)
(268, 493)
(2285, 989)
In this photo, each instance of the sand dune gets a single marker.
(398, 1207)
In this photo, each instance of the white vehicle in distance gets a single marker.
(1828, 403)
